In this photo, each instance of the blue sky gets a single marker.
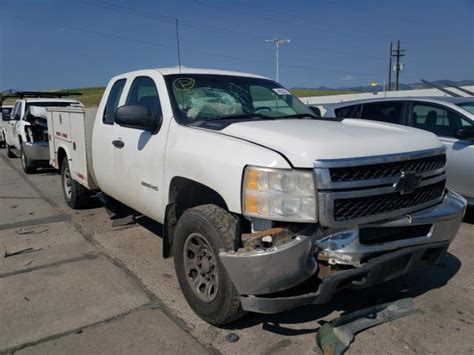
(48, 44)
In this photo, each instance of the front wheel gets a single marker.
(26, 163)
(201, 232)
(10, 153)
(75, 195)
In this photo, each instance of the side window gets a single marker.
(143, 92)
(389, 112)
(20, 109)
(14, 110)
(437, 119)
(352, 111)
(112, 101)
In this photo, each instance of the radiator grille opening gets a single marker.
(390, 234)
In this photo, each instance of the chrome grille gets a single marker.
(364, 190)
(352, 208)
(394, 169)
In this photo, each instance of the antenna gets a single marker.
(177, 46)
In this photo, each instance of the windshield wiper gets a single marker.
(300, 115)
(249, 116)
(244, 116)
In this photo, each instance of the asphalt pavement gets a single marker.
(72, 283)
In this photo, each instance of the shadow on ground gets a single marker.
(411, 285)
(469, 217)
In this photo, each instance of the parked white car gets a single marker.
(450, 118)
(26, 132)
(256, 195)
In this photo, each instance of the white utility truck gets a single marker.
(25, 129)
(264, 206)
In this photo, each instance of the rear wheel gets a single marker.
(75, 195)
(26, 163)
(201, 232)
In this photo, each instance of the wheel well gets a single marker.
(184, 194)
(61, 155)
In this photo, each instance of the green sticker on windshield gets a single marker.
(184, 83)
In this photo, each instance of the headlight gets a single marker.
(277, 194)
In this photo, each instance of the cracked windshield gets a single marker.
(214, 97)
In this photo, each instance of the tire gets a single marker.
(216, 228)
(75, 195)
(10, 154)
(26, 164)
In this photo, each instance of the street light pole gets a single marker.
(278, 42)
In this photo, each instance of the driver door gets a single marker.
(10, 125)
(444, 122)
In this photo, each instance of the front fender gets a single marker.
(214, 160)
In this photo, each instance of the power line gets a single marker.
(266, 18)
(214, 29)
(144, 42)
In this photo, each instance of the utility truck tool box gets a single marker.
(70, 135)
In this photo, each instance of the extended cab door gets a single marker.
(138, 157)
(104, 134)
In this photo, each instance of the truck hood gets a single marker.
(302, 141)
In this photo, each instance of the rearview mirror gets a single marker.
(135, 116)
(466, 133)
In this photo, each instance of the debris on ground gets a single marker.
(334, 338)
(23, 251)
(32, 230)
(232, 338)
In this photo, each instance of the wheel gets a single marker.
(26, 163)
(75, 195)
(201, 232)
(10, 154)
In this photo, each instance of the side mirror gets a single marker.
(466, 133)
(136, 116)
(5, 115)
(315, 110)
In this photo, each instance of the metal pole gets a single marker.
(277, 42)
(277, 63)
(390, 68)
(398, 65)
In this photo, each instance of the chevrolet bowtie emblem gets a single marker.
(408, 182)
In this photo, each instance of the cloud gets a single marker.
(347, 77)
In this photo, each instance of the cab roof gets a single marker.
(185, 70)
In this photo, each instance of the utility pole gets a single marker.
(390, 67)
(278, 42)
(398, 53)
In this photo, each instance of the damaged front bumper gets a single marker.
(267, 278)
(37, 151)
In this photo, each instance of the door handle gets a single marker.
(118, 143)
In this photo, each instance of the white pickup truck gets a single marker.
(265, 207)
(25, 130)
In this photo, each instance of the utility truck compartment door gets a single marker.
(62, 125)
(69, 129)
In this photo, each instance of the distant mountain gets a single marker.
(368, 88)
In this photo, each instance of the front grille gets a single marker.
(387, 170)
(346, 209)
(376, 235)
